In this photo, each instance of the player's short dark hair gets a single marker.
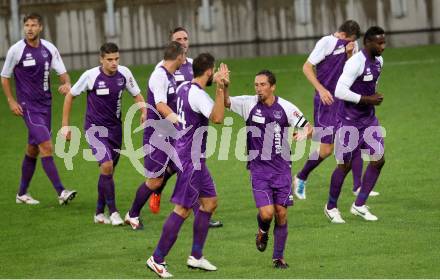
(270, 76)
(372, 32)
(173, 50)
(350, 27)
(107, 48)
(177, 29)
(36, 16)
(201, 63)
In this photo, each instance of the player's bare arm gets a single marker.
(375, 99)
(305, 133)
(13, 105)
(310, 73)
(67, 107)
(218, 111)
(65, 86)
(139, 99)
(166, 112)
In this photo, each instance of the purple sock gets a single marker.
(280, 237)
(356, 169)
(368, 183)
(109, 192)
(27, 171)
(52, 172)
(170, 231)
(100, 204)
(313, 161)
(142, 195)
(200, 232)
(263, 225)
(337, 180)
(196, 207)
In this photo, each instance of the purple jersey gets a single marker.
(267, 128)
(31, 67)
(184, 73)
(360, 75)
(329, 57)
(194, 107)
(104, 94)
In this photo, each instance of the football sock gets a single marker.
(369, 181)
(337, 180)
(100, 204)
(356, 169)
(142, 195)
(200, 232)
(170, 231)
(263, 225)
(313, 161)
(280, 237)
(52, 172)
(109, 191)
(27, 171)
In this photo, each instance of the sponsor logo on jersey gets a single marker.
(277, 114)
(44, 53)
(258, 112)
(120, 81)
(101, 84)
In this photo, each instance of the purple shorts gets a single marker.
(326, 120)
(104, 147)
(192, 184)
(156, 160)
(269, 189)
(38, 124)
(365, 139)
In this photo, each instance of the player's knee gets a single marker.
(46, 148)
(32, 151)
(325, 151)
(266, 215)
(379, 164)
(209, 205)
(154, 183)
(345, 167)
(107, 167)
(182, 211)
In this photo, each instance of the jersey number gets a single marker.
(180, 112)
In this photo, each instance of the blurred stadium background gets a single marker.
(227, 28)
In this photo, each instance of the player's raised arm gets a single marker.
(218, 111)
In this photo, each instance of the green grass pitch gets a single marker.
(50, 241)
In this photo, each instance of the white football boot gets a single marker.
(362, 211)
(201, 263)
(334, 215)
(26, 199)
(159, 268)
